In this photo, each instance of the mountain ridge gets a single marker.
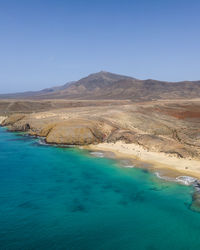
(106, 85)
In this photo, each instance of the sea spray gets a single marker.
(186, 180)
(98, 154)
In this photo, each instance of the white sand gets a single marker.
(188, 167)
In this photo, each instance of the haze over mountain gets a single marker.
(105, 85)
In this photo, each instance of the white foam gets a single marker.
(164, 177)
(128, 166)
(42, 142)
(97, 154)
(186, 180)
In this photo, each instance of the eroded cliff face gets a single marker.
(76, 132)
(167, 127)
(2, 118)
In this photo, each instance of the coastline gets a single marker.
(164, 167)
(169, 166)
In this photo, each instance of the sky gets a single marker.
(44, 43)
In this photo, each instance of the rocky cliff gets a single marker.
(168, 127)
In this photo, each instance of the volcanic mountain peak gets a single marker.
(102, 77)
(106, 85)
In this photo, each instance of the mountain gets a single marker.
(105, 85)
(35, 94)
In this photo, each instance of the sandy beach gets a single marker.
(172, 166)
(157, 135)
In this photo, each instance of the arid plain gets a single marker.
(163, 133)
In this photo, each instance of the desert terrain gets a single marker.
(150, 121)
(164, 133)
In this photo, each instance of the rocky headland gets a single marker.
(164, 133)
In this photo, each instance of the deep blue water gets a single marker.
(59, 198)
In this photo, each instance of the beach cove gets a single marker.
(63, 198)
(169, 165)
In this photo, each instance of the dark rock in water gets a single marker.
(28, 205)
(123, 202)
(77, 206)
(22, 138)
(195, 206)
(197, 185)
(145, 171)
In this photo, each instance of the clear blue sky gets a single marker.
(50, 42)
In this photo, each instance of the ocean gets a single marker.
(65, 198)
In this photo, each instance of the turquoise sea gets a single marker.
(63, 198)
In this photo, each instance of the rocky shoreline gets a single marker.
(131, 130)
(164, 135)
(10, 124)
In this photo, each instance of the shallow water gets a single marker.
(62, 198)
